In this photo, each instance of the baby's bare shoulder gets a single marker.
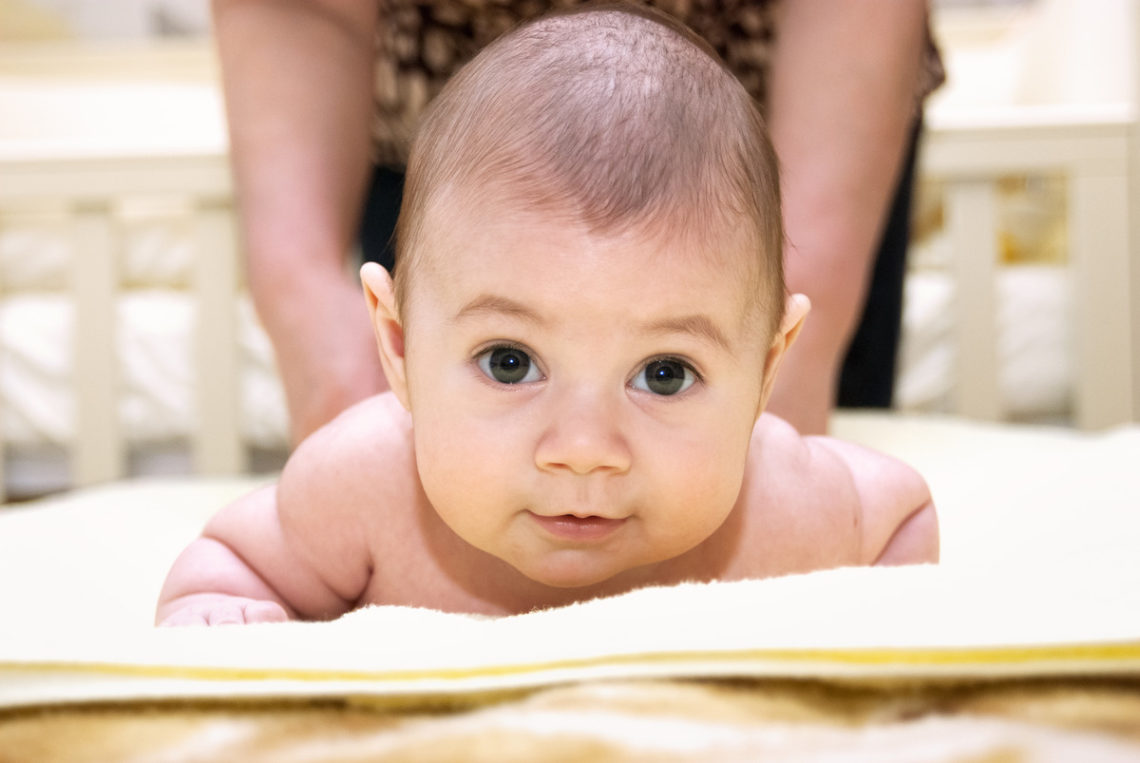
(897, 516)
(377, 427)
(800, 501)
(340, 486)
(832, 502)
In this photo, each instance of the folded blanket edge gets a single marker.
(25, 684)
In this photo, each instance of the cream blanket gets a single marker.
(1041, 531)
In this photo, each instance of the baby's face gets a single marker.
(582, 404)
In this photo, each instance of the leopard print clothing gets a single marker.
(421, 43)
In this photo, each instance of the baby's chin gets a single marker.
(571, 570)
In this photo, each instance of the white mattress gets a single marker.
(155, 356)
(155, 317)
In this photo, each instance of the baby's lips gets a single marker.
(578, 528)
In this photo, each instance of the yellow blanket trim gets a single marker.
(1115, 658)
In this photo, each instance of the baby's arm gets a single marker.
(299, 549)
(899, 521)
(915, 541)
(243, 569)
(211, 584)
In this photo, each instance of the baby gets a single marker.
(584, 327)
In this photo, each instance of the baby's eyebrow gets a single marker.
(697, 325)
(497, 305)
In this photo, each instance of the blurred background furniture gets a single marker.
(128, 345)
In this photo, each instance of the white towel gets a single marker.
(1041, 530)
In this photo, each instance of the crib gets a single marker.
(171, 156)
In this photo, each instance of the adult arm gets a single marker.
(841, 106)
(298, 81)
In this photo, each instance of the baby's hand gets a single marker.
(220, 609)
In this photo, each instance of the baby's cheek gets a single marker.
(438, 465)
(713, 476)
(458, 471)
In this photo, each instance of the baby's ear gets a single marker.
(385, 316)
(796, 309)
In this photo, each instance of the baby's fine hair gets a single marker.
(614, 116)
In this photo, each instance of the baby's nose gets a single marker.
(584, 435)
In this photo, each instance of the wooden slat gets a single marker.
(98, 453)
(217, 443)
(971, 217)
(1099, 257)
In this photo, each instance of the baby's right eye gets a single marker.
(508, 365)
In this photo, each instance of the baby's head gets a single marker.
(617, 118)
(589, 307)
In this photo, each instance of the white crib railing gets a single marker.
(1092, 153)
(91, 189)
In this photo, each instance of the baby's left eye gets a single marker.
(665, 376)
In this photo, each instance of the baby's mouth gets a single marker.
(578, 528)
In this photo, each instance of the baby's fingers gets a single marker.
(244, 611)
(226, 610)
(265, 612)
(230, 613)
(184, 617)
